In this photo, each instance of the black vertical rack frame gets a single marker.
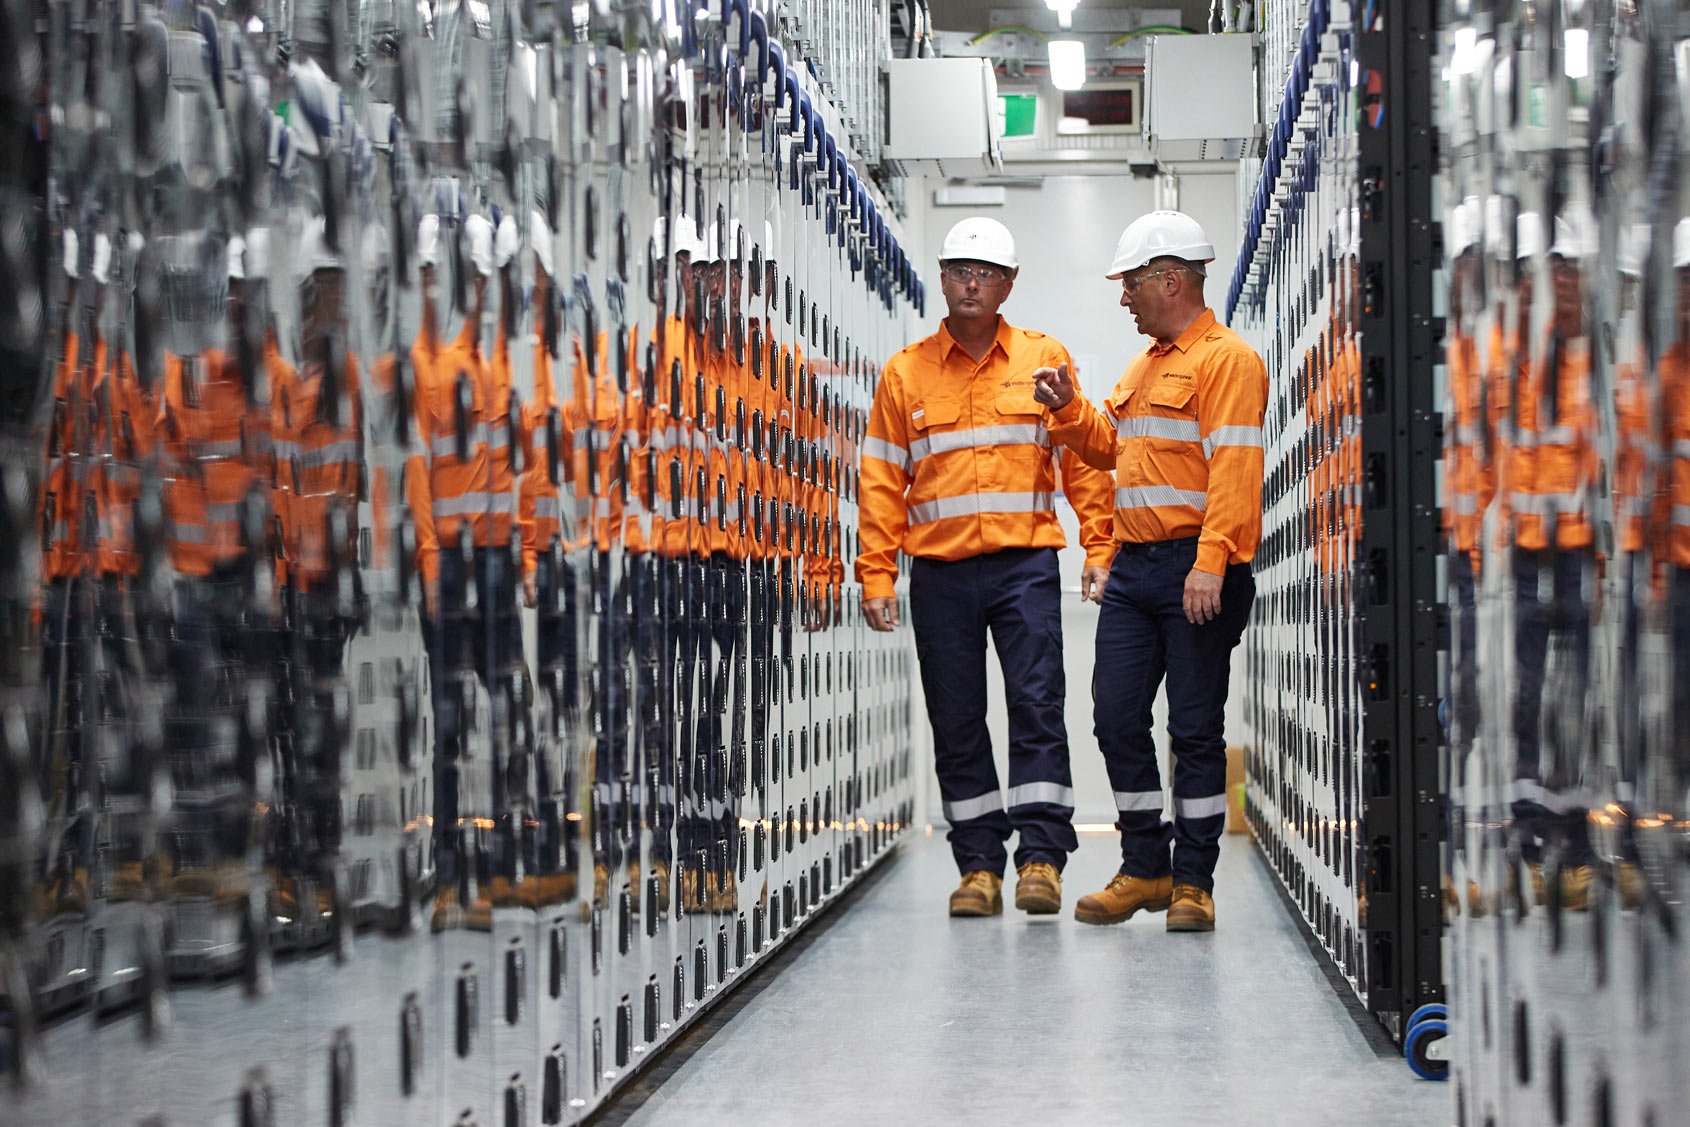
(1402, 820)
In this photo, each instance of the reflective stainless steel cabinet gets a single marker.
(428, 673)
(1568, 272)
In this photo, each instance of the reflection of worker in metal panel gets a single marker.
(549, 529)
(727, 380)
(213, 429)
(1183, 430)
(1470, 483)
(465, 417)
(98, 444)
(1550, 481)
(1634, 455)
(317, 435)
(959, 473)
(1674, 520)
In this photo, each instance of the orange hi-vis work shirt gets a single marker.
(100, 438)
(1633, 457)
(319, 452)
(1183, 430)
(762, 362)
(474, 490)
(215, 453)
(1673, 520)
(1552, 459)
(547, 473)
(669, 436)
(958, 461)
(726, 501)
(605, 445)
(1470, 473)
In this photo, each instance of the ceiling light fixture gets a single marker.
(1064, 10)
(1067, 64)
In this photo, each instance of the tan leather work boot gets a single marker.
(1124, 896)
(979, 894)
(1039, 891)
(1192, 909)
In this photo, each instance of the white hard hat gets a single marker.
(478, 229)
(979, 239)
(1161, 234)
(314, 252)
(1466, 226)
(540, 234)
(1634, 249)
(249, 256)
(428, 240)
(507, 241)
(768, 241)
(1574, 234)
(687, 240)
(1681, 244)
(1528, 235)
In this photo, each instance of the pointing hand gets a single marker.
(1053, 387)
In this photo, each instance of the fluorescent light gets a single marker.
(1466, 47)
(1575, 44)
(1067, 64)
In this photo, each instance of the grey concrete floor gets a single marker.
(896, 1012)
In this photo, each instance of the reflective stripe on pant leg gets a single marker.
(1125, 676)
(1199, 668)
(946, 613)
(1024, 613)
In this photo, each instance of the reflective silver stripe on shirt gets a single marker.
(1132, 801)
(346, 450)
(498, 437)
(189, 534)
(228, 448)
(1156, 426)
(1054, 793)
(223, 511)
(1232, 436)
(1210, 807)
(1008, 434)
(887, 452)
(1466, 504)
(1545, 436)
(1681, 448)
(1546, 504)
(978, 504)
(970, 809)
(472, 504)
(1158, 496)
(1681, 515)
(546, 508)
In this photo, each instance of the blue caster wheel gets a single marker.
(1426, 1048)
(1431, 1011)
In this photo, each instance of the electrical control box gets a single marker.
(942, 117)
(1200, 97)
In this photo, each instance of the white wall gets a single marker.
(1065, 231)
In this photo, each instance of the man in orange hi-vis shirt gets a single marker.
(1183, 430)
(958, 472)
(468, 547)
(316, 428)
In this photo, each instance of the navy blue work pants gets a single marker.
(1017, 596)
(1142, 637)
(1551, 612)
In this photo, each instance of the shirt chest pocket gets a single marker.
(1171, 422)
(932, 426)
